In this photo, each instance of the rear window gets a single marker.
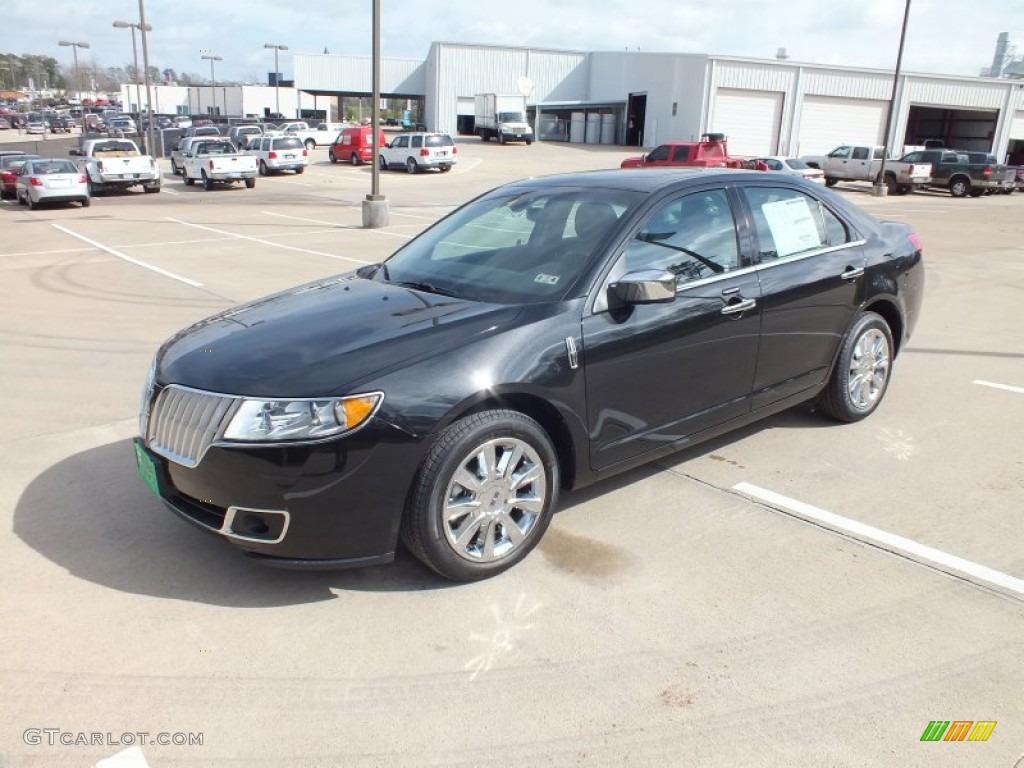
(288, 143)
(439, 141)
(795, 163)
(53, 166)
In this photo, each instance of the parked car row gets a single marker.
(33, 180)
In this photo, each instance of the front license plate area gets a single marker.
(148, 470)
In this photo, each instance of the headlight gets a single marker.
(147, 397)
(306, 419)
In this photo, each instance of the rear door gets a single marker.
(811, 267)
(659, 373)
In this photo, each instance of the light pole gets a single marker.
(277, 75)
(213, 79)
(375, 206)
(879, 189)
(135, 61)
(144, 27)
(78, 75)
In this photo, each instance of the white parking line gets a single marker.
(890, 542)
(337, 226)
(1007, 387)
(169, 191)
(267, 242)
(129, 259)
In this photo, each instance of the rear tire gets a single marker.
(250, 183)
(354, 159)
(189, 181)
(32, 204)
(863, 369)
(86, 202)
(411, 166)
(207, 184)
(263, 168)
(299, 170)
(890, 185)
(831, 181)
(959, 187)
(483, 497)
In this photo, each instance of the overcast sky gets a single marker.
(945, 36)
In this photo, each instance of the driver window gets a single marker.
(659, 153)
(860, 153)
(693, 236)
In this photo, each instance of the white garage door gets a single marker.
(750, 119)
(826, 123)
(466, 106)
(1017, 126)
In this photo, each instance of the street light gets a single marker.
(78, 75)
(277, 75)
(213, 79)
(879, 189)
(135, 61)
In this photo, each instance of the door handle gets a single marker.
(737, 307)
(852, 273)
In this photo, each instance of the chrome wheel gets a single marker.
(494, 500)
(869, 369)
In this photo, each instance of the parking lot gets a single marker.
(709, 609)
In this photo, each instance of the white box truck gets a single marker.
(502, 118)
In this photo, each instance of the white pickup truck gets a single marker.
(311, 137)
(217, 162)
(117, 164)
(863, 163)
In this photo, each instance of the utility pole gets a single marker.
(375, 206)
(277, 75)
(144, 27)
(879, 190)
(78, 75)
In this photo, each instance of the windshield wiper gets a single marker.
(427, 287)
(654, 238)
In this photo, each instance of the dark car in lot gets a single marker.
(59, 125)
(546, 335)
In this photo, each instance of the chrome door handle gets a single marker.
(737, 307)
(852, 273)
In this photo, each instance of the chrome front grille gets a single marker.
(184, 422)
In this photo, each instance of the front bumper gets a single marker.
(330, 504)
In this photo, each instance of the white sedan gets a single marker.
(794, 166)
(44, 180)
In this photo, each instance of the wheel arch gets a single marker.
(890, 312)
(551, 419)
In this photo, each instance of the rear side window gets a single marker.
(417, 141)
(789, 223)
(680, 154)
(860, 153)
(287, 143)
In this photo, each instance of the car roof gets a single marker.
(641, 179)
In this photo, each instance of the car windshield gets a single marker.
(519, 247)
(438, 141)
(796, 164)
(512, 117)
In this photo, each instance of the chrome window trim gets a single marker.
(810, 254)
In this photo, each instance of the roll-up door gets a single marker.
(828, 122)
(750, 119)
(1017, 126)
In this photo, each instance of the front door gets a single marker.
(659, 373)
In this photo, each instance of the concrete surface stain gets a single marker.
(672, 697)
(581, 556)
(716, 457)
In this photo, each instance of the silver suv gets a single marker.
(417, 151)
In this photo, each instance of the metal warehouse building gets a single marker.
(634, 98)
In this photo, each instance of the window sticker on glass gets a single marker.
(792, 225)
(546, 279)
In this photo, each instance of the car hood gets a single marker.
(322, 338)
(632, 162)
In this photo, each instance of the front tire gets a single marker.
(354, 159)
(382, 163)
(483, 497)
(862, 372)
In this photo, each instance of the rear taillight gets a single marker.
(99, 166)
(272, 156)
(210, 166)
(83, 179)
(987, 172)
(35, 181)
(915, 240)
(455, 150)
(424, 153)
(305, 153)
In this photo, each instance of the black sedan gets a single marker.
(546, 335)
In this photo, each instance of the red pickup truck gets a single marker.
(711, 151)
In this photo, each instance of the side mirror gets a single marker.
(646, 286)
